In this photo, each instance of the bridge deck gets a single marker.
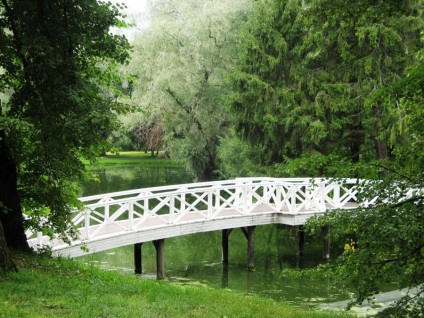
(154, 227)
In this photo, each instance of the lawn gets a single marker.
(46, 287)
(128, 158)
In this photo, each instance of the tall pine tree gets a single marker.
(308, 71)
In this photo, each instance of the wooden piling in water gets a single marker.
(224, 244)
(301, 234)
(138, 258)
(160, 258)
(251, 248)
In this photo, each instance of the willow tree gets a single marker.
(58, 62)
(308, 71)
(180, 60)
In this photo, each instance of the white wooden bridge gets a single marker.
(136, 216)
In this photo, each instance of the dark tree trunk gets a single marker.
(207, 175)
(10, 207)
(6, 260)
(381, 149)
(380, 145)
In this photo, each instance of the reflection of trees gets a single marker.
(187, 250)
(268, 252)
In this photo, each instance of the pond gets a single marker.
(196, 259)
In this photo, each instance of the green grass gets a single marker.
(47, 287)
(128, 158)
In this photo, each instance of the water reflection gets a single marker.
(195, 260)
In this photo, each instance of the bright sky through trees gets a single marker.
(134, 6)
(135, 13)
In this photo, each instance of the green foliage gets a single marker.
(315, 165)
(181, 61)
(385, 240)
(132, 158)
(382, 242)
(121, 140)
(61, 70)
(407, 99)
(330, 88)
(308, 74)
(235, 158)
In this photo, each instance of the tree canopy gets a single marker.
(180, 61)
(330, 88)
(309, 72)
(58, 63)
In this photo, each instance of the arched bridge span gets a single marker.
(130, 217)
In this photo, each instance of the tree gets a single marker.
(388, 236)
(383, 242)
(306, 73)
(181, 60)
(149, 135)
(328, 87)
(59, 61)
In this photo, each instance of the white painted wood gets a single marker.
(122, 218)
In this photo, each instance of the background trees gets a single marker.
(180, 61)
(59, 64)
(308, 74)
(388, 237)
(330, 88)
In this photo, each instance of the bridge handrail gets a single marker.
(149, 194)
(292, 194)
(202, 185)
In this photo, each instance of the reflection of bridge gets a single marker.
(153, 214)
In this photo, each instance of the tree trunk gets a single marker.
(10, 206)
(6, 260)
(381, 149)
(380, 145)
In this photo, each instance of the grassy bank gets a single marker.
(47, 287)
(129, 158)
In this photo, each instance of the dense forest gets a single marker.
(230, 88)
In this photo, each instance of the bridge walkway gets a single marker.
(136, 216)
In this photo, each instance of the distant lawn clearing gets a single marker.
(129, 158)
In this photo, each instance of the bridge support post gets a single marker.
(326, 243)
(251, 248)
(138, 257)
(224, 243)
(160, 258)
(301, 234)
(250, 236)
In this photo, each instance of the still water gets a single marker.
(195, 259)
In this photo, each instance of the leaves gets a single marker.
(340, 94)
(383, 241)
(308, 74)
(61, 68)
(181, 62)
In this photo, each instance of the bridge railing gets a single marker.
(161, 206)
